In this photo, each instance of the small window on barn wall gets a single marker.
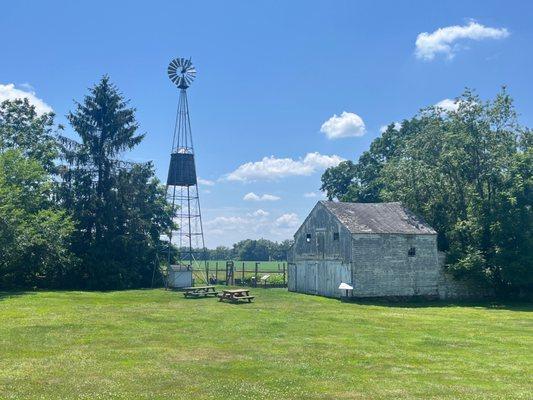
(335, 235)
(411, 252)
(308, 238)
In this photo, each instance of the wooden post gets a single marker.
(230, 273)
(242, 279)
(207, 272)
(227, 277)
(256, 273)
(216, 271)
(284, 275)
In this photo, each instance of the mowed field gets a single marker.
(218, 269)
(249, 265)
(154, 344)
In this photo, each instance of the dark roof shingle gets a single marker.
(378, 218)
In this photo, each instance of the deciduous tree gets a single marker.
(468, 172)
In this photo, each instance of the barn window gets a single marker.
(411, 252)
(308, 238)
(335, 235)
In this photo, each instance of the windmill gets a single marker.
(182, 184)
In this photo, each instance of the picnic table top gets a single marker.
(235, 290)
(198, 288)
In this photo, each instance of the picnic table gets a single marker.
(198, 291)
(234, 295)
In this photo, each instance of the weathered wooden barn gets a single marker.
(381, 249)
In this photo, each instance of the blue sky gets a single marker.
(271, 75)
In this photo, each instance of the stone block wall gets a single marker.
(450, 288)
(382, 266)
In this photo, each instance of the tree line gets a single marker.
(468, 173)
(250, 250)
(73, 214)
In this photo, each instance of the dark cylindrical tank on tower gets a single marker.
(181, 171)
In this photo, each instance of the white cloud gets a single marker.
(27, 87)
(289, 220)
(10, 92)
(397, 126)
(265, 197)
(260, 213)
(270, 197)
(448, 105)
(314, 195)
(229, 229)
(227, 223)
(205, 182)
(251, 197)
(271, 168)
(444, 40)
(345, 125)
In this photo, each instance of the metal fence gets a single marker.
(242, 273)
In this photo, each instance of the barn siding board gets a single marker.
(322, 222)
(319, 277)
(291, 277)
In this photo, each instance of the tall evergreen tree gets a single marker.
(119, 207)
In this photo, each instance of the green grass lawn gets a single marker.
(153, 344)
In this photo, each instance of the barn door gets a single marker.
(292, 274)
(311, 271)
(320, 243)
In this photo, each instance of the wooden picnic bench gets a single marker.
(198, 291)
(235, 295)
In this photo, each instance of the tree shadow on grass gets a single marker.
(5, 295)
(493, 304)
(236, 303)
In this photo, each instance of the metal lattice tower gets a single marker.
(182, 185)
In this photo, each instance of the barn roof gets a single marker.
(378, 218)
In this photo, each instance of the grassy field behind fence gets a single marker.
(272, 268)
(154, 344)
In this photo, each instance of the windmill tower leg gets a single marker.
(182, 186)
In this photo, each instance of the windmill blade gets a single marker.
(181, 72)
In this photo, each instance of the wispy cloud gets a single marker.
(265, 197)
(345, 125)
(205, 182)
(397, 126)
(272, 168)
(260, 213)
(288, 220)
(314, 195)
(10, 92)
(448, 105)
(446, 40)
(228, 229)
